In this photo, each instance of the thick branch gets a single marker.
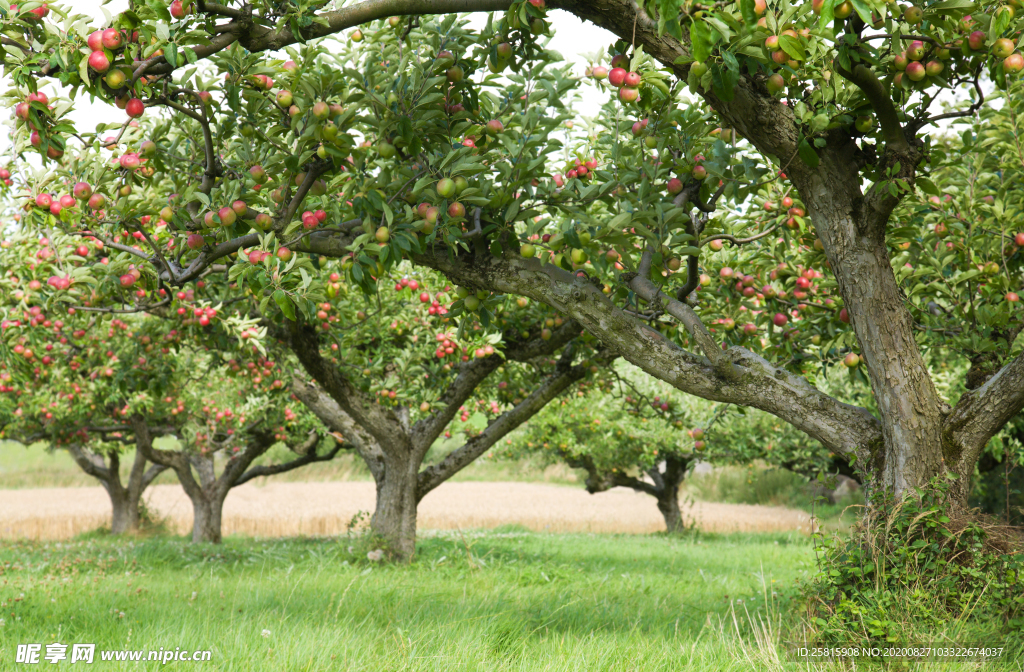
(309, 457)
(436, 474)
(982, 412)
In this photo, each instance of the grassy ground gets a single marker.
(490, 601)
(503, 600)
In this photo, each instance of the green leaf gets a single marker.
(700, 40)
(828, 15)
(285, 304)
(747, 10)
(807, 154)
(792, 47)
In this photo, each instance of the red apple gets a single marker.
(617, 76)
(134, 108)
(112, 39)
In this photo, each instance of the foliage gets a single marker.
(909, 570)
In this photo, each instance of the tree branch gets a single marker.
(309, 457)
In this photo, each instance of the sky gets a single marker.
(572, 38)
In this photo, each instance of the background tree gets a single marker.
(856, 103)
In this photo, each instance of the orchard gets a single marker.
(408, 208)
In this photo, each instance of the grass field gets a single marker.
(470, 602)
(501, 600)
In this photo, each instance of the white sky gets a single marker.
(571, 37)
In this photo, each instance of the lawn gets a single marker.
(484, 601)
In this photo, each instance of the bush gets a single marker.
(910, 574)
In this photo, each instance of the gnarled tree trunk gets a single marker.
(207, 506)
(394, 517)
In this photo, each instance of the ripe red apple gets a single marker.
(915, 71)
(599, 72)
(1013, 63)
(1012, 297)
(780, 319)
(134, 108)
(177, 10)
(725, 273)
(112, 39)
(933, 68)
(844, 316)
(44, 200)
(456, 209)
(901, 61)
(628, 95)
(851, 360)
(99, 62)
(263, 221)
(915, 51)
(195, 241)
(227, 216)
(1019, 239)
(95, 40)
(96, 201)
(82, 190)
(130, 161)
(284, 254)
(617, 76)
(632, 80)
(674, 186)
(976, 40)
(494, 127)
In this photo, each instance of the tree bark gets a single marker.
(668, 504)
(206, 516)
(124, 501)
(394, 517)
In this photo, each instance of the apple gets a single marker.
(913, 15)
(382, 235)
(628, 95)
(901, 61)
(320, 110)
(976, 40)
(915, 51)
(1019, 240)
(178, 10)
(98, 61)
(933, 68)
(445, 187)
(284, 98)
(1013, 63)
(527, 251)
(454, 74)
(1002, 48)
(1012, 297)
(851, 360)
(494, 127)
(915, 71)
(776, 83)
(456, 209)
(227, 216)
(780, 319)
(617, 76)
(726, 273)
(135, 108)
(95, 40)
(258, 173)
(356, 36)
(632, 80)
(674, 186)
(96, 201)
(843, 10)
(504, 51)
(112, 39)
(772, 42)
(599, 72)
(82, 190)
(130, 161)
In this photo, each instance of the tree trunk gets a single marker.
(852, 229)
(206, 516)
(394, 518)
(668, 504)
(125, 516)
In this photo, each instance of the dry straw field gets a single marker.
(286, 509)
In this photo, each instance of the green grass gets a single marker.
(500, 600)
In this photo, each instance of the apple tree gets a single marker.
(806, 143)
